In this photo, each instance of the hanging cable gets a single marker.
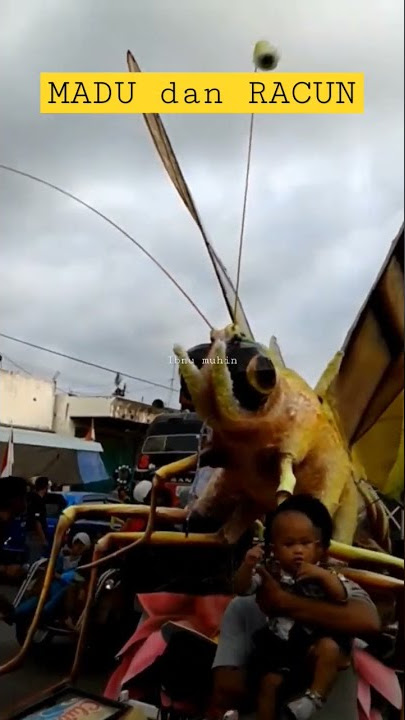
(16, 365)
(114, 225)
(84, 362)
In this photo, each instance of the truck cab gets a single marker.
(170, 437)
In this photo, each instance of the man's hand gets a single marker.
(270, 597)
(253, 557)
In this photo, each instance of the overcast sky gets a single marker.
(326, 193)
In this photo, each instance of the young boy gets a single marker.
(300, 534)
(64, 587)
(69, 560)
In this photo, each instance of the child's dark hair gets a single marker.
(313, 508)
(41, 483)
(11, 488)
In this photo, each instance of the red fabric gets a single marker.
(172, 487)
(374, 715)
(202, 614)
(363, 697)
(137, 524)
(383, 679)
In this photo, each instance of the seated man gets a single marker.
(245, 616)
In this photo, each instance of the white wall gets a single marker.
(30, 403)
(26, 402)
(67, 406)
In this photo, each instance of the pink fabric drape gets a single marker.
(201, 614)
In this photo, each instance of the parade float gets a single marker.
(272, 435)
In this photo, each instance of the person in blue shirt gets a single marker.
(64, 584)
(13, 503)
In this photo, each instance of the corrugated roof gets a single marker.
(48, 439)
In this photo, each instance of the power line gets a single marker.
(83, 362)
(114, 225)
(19, 367)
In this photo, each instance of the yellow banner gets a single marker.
(227, 93)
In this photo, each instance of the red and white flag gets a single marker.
(8, 459)
(91, 433)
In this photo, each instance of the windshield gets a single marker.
(154, 443)
(170, 443)
(181, 443)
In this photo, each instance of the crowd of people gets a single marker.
(20, 498)
(288, 632)
(24, 499)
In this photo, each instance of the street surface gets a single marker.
(41, 671)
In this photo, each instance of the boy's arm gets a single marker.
(330, 581)
(243, 581)
(357, 617)
(334, 587)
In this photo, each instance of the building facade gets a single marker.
(118, 423)
(26, 402)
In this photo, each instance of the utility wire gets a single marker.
(84, 362)
(114, 225)
(19, 367)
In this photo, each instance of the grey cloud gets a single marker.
(326, 192)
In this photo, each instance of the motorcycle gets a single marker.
(110, 611)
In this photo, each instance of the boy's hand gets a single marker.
(253, 557)
(306, 571)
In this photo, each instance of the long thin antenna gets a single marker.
(265, 57)
(114, 225)
(168, 157)
(242, 227)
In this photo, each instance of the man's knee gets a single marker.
(229, 686)
(326, 648)
(271, 682)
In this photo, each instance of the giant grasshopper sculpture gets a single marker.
(272, 435)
